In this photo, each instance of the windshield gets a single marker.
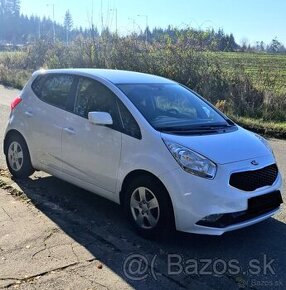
(171, 107)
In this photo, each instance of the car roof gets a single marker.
(113, 76)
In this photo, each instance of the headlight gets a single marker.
(191, 161)
(265, 142)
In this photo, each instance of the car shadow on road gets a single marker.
(99, 226)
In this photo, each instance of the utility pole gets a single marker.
(133, 24)
(101, 16)
(54, 30)
(92, 25)
(39, 28)
(146, 31)
(115, 10)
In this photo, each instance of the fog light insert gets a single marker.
(220, 220)
(211, 218)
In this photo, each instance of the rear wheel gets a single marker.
(148, 207)
(18, 157)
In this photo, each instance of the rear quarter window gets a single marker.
(36, 85)
(53, 89)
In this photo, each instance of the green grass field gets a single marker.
(10, 53)
(267, 71)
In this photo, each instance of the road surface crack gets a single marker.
(30, 278)
(7, 214)
(76, 256)
(46, 238)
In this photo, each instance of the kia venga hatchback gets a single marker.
(164, 153)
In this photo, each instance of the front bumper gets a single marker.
(195, 198)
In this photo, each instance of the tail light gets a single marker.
(15, 103)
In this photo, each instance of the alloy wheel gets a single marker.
(15, 156)
(145, 208)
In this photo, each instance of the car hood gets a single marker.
(223, 148)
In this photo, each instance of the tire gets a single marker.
(18, 157)
(151, 219)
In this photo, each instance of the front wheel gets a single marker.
(18, 157)
(148, 207)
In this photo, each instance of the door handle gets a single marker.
(29, 114)
(71, 131)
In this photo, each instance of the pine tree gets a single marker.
(68, 24)
(2, 7)
(15, 7)
(10, 7)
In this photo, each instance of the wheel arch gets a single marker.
(139, 172)
(11, 132)
(26, 168)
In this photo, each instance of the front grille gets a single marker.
(257, 206)
(251, 180)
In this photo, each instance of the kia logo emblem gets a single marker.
(254, 162)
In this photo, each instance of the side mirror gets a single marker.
(100, 118)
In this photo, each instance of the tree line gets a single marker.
(18, 29)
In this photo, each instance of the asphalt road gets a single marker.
(206, 261)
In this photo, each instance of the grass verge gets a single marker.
(14, 78)
(268, 129)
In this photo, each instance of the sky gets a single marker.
(248, 20)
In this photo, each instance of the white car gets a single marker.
(169, 157)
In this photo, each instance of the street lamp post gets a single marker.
(146, 32)
(54, 30)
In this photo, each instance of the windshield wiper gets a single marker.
(213, 126)
(202, 129)
(186, 131)
(193, 128)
